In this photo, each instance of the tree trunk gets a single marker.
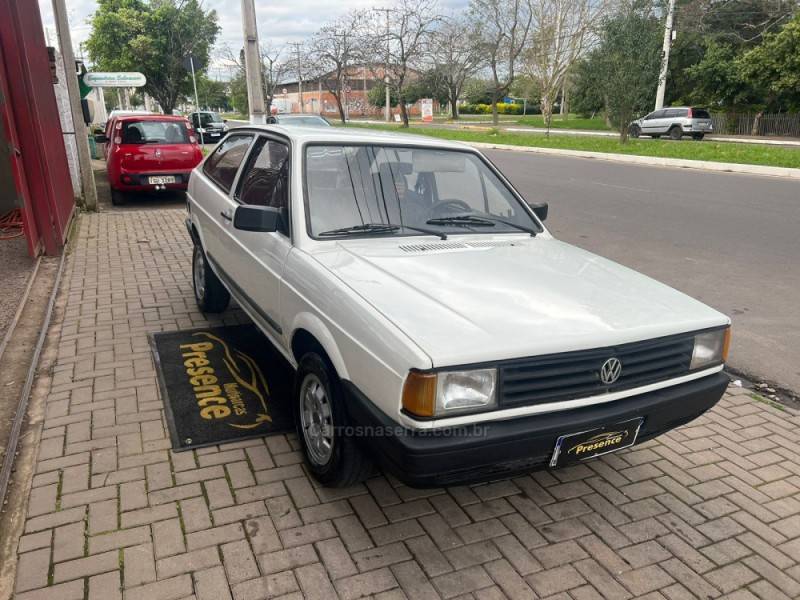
(756, 123)
(454, 106)
(339, 106)
(403, 112)
(547, 111)
(495, 115)
(625, 118)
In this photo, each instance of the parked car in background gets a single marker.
(148, 153)
(298, 120)
(210, 126)
(675, 121)
(435, 325)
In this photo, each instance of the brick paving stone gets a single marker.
(212, 584)
(707, 510)
(105, 587)
(83, 567)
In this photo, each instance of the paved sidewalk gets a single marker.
(711, 509)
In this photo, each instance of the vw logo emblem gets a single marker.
(610, 371)
(158, 153)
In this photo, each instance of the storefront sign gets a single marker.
(124, 80)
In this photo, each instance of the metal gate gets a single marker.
(33, 162)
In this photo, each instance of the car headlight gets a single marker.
(710, 348)
(450, 392)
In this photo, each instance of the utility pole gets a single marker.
(78, 126)
(297, 46)
(387, 114)
(252, 64)
(662, 76)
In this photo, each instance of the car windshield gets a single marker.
(306, 121)
(155, 132)
(390, 190)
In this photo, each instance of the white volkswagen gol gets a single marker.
(435, 324)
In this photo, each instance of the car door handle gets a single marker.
(227, 214)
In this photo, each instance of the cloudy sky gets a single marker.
(279, 22)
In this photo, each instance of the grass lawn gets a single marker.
(572, 121)
(235, 116)
(687, 149)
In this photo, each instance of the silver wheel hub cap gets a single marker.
(199, 275)
(316, 420)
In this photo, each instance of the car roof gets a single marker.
(152, 117)
(352, 135)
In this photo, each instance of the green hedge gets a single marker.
(502, 108)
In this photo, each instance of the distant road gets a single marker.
(730, 240)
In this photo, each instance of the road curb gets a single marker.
(703, 165)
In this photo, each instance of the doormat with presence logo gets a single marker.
(222, 384)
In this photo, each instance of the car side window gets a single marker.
(222, 165)
(265, 177)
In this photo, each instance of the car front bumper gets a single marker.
(497, 449)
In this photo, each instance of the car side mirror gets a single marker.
(265, 219)
(539, 209)
(101, 138)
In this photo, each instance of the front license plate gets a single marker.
(161, 180)
(577, 447)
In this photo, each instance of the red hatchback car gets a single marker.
(149, 152)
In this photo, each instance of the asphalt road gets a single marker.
(730, 240)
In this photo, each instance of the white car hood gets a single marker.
(537, 296)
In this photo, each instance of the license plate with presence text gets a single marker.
(581, 446)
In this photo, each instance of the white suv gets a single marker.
(675, 121)
(435, 325)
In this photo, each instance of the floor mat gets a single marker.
(222, 384)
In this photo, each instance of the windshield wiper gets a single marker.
(464, 220)
(472, 220)
(368, 228)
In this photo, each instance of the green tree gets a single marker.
(377, 95)
(626, 62)
(773, 68)
(213, 94)
(153, 37)
(586, 96)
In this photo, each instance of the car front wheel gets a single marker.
(331, 452)
(210, 294)
(635, 131)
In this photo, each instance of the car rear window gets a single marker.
(700, 113)
(155, 132)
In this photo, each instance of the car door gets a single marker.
(213, 202)
(650, 122)
(257, 271)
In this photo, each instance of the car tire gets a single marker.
(698, 136)
(209, 293)
(117, 197)
(634, 131)
(331, 455)
(675, 133)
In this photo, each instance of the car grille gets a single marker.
(572, 375)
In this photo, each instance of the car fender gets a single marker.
(316, 327)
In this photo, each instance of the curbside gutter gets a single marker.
(656, 161)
